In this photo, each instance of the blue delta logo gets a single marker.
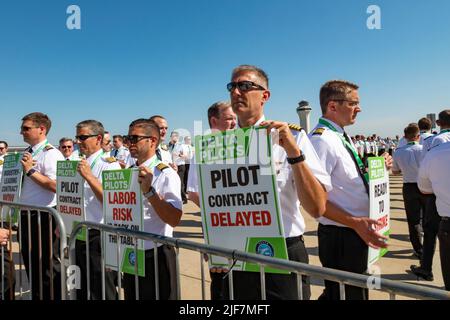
(132, 258)
(265, 248)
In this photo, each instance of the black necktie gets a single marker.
(361, 170)
(347, 137)
(158, 154)
(115, 153)
(29, 149)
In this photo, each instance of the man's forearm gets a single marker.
(44, 181)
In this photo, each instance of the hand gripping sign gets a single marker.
(239, 200)
(70, 196)
(11, 182)
(379, 202)
(123, 207)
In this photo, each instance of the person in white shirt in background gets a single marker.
(407, 161)
(106, 145)
(431, 218)
(162, 152)
(120, 152)
(3, 153)
(180, 154)
(66, 148)
(434, 178)
(425, 129)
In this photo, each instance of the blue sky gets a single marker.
(137, 58)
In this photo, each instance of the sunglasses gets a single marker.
(133, 139)
(85, 137)
(244, 86)
(351, 103)
(25, 128)
(66, 147)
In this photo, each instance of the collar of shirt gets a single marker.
(150, 163)
(94, 156)
(37, 146)
(263, 118)
(337, 127)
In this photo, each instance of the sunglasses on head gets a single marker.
(84, 137)
(244, 86)
(133, 139)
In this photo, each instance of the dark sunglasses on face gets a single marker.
(133, 139)
(25, 128)
(85, 137)
(244, 86)
(66, 147)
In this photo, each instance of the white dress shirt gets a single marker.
(434, 177)
(46, 163)
(407, 160)
(349, 192)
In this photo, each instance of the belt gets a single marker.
(296, 238)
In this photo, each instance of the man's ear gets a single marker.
(266, 95)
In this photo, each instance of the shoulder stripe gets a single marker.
(162, 166)
(318, 131)
(295, 127)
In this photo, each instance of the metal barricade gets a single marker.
(26, 211)
(393, 288)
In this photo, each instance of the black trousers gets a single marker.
(342, 249)
(8, 280)
(147, 288)
(182, 174)
(186, 175)
(444, 249)
(219, 286)
(431, 222)
(48, 275)
(415, 207)
(247, 285)
(95, 270)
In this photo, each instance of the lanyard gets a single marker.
(96, 159)
(412, 143)
(356, 159)
(444, 131)
(35, 153)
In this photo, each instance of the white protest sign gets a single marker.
(239, 199)
(11, 181)
(70, 196)
(123, 207)
(379, 202)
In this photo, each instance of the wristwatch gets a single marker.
(30, 172)
(150, 193)
(298, 159)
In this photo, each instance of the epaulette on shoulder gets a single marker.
(162, 166)
(48, 147)
(429, 137)
(295, 127)
(110, 159)
(164, 147)
(318, 131)
(1, 162)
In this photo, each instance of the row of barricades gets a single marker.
(56, 274)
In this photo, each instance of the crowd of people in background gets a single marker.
(324, 171)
